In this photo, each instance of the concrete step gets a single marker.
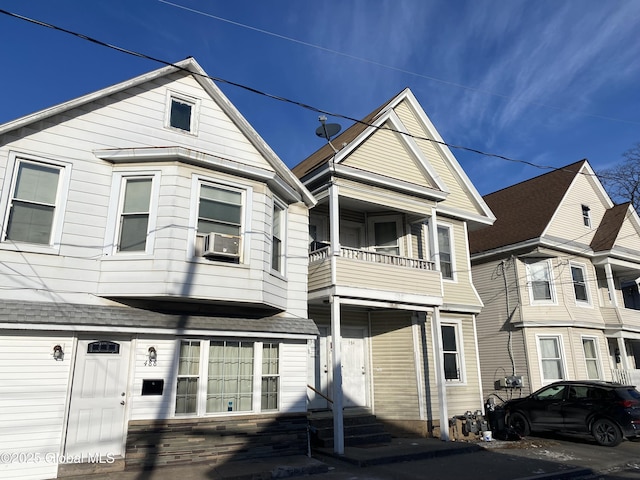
(358, 430)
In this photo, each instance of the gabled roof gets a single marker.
(412, 139)
(609, 227)
(524, 210)
(189, 66)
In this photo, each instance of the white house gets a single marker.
(153, 276)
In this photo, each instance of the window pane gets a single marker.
(451, 366)
(444, 246)
(549, 348)
(449, 338)
(189, 363)
(223, 212)
(137, 195)
(551, 359)
(540, 280)
(220, 211)
(30, 223)
(552, 369)
(579, 285)
(230, 382)
(180, 115)
(133, 233)
(591, 358)
(37, 183)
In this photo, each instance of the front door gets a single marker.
(97, 412)
(354, 372)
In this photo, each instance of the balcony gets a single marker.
(620, 317)
(370, 275)
(626, 377)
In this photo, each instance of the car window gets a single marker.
(579, 392)
(555, 392)
(629, 393)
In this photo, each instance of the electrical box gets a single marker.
(512, 381)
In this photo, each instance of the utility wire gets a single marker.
(277, 97)
(397, 69)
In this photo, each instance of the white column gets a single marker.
(611, 285)
(624, 359)
(441, 382)
(336, 362)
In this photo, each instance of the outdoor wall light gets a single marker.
(153, 355)
(58, 353)
(617, 354)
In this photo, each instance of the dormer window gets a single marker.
(182, 113)
(586, 216)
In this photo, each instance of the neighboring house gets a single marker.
(153, 272)
(389, 274)
(558, 274)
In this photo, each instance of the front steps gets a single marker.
(360, 428)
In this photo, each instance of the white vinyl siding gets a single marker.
(32, 404)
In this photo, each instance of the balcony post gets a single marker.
(441, 382)
(336, 361)
(624, 360)
(611, 285)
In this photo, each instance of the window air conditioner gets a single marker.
(221, 245)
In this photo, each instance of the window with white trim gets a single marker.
(445, 251)
(182, 113)
(590, 347)
(540, 284)
(551, 358)
(219, 222)
(33, 203)
(133, 227)
(586, 216)
(579, 278)
(277, 237)
(451, 353)
(270, 376)
(219, 376)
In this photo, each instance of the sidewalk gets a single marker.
(403, 458)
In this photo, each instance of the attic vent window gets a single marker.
(586, 216)
(182, 113)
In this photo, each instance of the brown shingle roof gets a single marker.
(324, 154)
(523, 210)
(609, 227)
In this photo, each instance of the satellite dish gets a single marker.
(327, 130)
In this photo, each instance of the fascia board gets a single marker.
(252, 135)
(194, 157)
(441, 145)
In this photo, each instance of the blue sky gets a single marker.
(547, 81)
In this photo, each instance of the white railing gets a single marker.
(626, 377)
(373, 257)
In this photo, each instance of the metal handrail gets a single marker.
(321, 394)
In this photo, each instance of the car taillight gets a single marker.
(629, 403)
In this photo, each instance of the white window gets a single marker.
(590, 346)
(133, 227)
(579, 277)
(33, 204)
(551, 358)
(270, 376)
(446, 252)
(540, 284)
(452, 358)
(220, 222)
(182, 113)
(188, 377)
(586, 216)
(228, 369)
(277, 237)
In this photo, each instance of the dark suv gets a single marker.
(608, 411)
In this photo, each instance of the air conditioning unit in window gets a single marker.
(221, 245)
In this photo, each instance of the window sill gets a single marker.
(29, 248)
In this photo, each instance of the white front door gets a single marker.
(98, 398)
(354, 372)
(321, 359)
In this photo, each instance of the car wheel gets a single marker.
(606, 432)
(519, 424)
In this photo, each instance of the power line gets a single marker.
(397, 69)
(275, 97)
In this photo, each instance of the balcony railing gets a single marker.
(626, 377)
(373, 257)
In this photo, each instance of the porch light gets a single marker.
(58, 353)
(153, 355)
